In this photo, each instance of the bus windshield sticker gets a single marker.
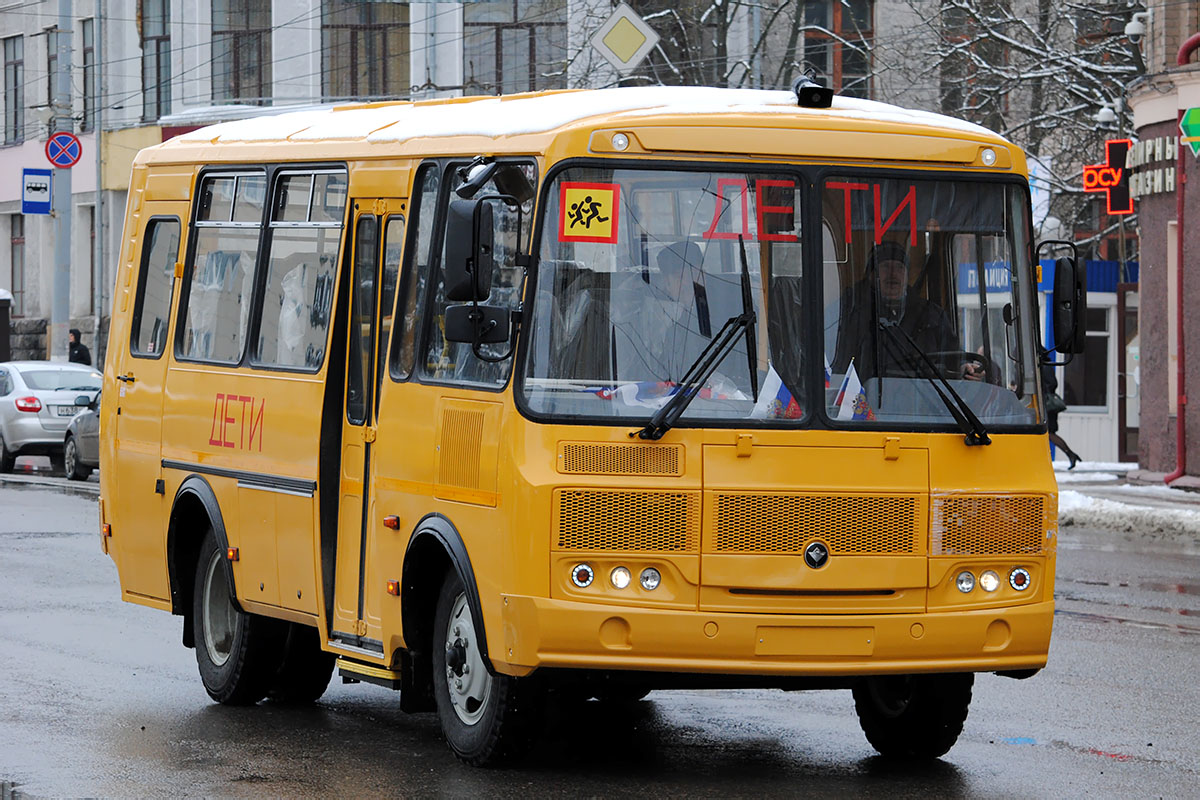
(589, 212)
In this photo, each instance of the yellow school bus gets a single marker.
(503, 400)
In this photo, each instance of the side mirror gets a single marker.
(470, 248)
(1070, 306)
(477, 324)
(83, 400)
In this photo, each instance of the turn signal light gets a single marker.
(393, 588)
(31, 404)
(1019, 579)
(106, 529)
(392, 522)
(232, 554)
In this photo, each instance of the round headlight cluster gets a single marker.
(989, 580)
(582, 576)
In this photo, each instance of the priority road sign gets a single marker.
(63, 149)
(624, 39)
(1190, 126)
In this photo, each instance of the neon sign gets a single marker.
(1111, 177)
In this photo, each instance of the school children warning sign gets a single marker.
(588, 212)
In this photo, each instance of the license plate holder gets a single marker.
(68, 411)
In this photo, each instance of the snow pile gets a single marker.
(1075, 508)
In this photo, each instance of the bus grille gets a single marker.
(977, 525)
(785, 523)
(658, 521)
(590, 458)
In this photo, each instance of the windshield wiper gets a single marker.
(976, 433)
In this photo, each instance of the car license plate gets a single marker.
(67, 411)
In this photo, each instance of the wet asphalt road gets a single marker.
(99, 698)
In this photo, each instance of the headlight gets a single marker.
(650, 579)
(965, 582)
(620, 577)
(989, 581)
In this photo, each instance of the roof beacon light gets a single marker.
(811, 94)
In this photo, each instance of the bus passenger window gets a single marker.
(416, 277)
(305, 234)
(153, 302)
(220, 280)
(454, 361)
(393, 249)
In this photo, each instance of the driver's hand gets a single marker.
(973, 371)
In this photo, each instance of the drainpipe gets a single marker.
(1185, 52)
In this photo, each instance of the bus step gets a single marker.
(355, 671)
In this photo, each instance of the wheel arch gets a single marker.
(435, 548)
(194, 505)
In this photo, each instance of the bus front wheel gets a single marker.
(486, 718)
(913, 716)
(237, 653)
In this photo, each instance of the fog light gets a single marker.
(620, 141)
(582, 575)
(988, 156)
(965, 582)
(989, 581)
(650, 579)
(620, 577)
(1019, 579)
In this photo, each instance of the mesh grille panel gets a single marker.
(462, 438)
(587, 458)
(591, 519)
(987, 525)
(785, 523)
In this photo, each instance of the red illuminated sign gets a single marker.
(1111, 177)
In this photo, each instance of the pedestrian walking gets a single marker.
(1054, 405)
(78, 350)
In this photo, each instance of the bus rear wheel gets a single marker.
(237, 653)
(913, 716)
(487, 719)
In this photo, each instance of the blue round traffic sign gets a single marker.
(63, 149)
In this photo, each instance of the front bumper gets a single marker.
(541, 632)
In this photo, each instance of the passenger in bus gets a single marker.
(885, 294)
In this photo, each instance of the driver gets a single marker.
(886, 294)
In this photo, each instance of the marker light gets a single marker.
(393, 588)
(28, 404)
(650, 579)
(582, 575)
(620, 577)
(988, 156)
(965, 582)
(620, 141)
(989, 581)
(232, 554)
(1019, 579)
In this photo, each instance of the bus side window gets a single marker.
(393, 250)
(416, 272)
(153, 302)
(451, 361)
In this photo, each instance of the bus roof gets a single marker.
(524, 115)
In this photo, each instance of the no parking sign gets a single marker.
(63, 149)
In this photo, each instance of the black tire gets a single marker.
(304, 673)
(7, 458)
(238, 653)
(75, 471)
(913, 716)
(486, 719)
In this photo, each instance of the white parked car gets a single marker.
(37, 403)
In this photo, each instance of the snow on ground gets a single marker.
(1084, 477)
(1122, 467)
(1076, 508)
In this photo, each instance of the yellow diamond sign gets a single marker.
(624, 39)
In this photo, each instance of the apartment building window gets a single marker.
(837, 43)
(17, 253)
(365, 50)
(14, 89)
(241, 47)
(156, 59)
(514, 46)
(88, 35)
(51, 64)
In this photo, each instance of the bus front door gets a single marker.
(350, 625)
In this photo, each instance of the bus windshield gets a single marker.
(639, 270)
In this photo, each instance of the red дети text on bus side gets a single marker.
(240, 415)
(910, 200)
(728, 188)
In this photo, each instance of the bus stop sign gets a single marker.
(63, 149)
